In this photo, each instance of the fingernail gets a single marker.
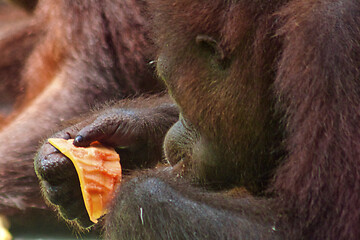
(79, 139)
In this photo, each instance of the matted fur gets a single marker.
(318, 81)
(306, 54)
(86, 53)
(280, 116)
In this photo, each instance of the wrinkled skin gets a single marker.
(268, 94)
(197, 156)
(54, 67)
(136, 134)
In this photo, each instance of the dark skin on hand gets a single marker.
(63, 60)
(135, 129)
(268, 99)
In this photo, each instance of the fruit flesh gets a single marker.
(99, 171)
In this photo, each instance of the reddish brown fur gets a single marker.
(271, 93)
(318, 81)
(315, 74)
(87, 53)
(246, 127)
(18, 35)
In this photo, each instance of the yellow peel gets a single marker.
(99, 171)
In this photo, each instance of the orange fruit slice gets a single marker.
(99, 171)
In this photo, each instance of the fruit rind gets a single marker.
(99, 171)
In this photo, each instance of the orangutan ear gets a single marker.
(211, 45)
